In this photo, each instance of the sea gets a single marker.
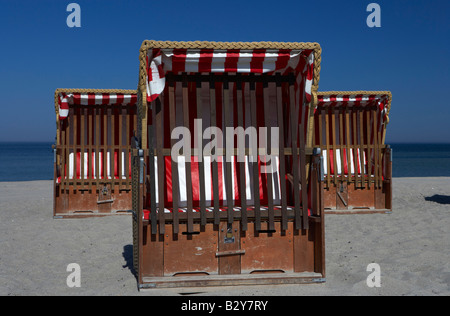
(34, 161)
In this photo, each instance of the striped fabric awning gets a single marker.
(67, 99)
(246, 61)
(349, 100)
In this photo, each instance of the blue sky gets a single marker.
(408, 55)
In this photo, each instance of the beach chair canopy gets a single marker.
(359, 99)
(217, 57)
(66, 98)
(297, 62)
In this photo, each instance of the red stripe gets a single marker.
(78, 165)
(358, 99)
(120, 98)
(195, 182)
(331, 159)
(105, 98)
(91, 99)
(133, 100)
(64, 105)
(346, 171)
(262, 184)
(236, 183)
(309, 75)
(301, 64)
(231, 61)
(179, 60)
(256, 65)
(76, 98)
(161, 70)
(168, 197)
(220, 173)
(152, 97)
(283, 58)
(205, 60)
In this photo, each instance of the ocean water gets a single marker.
(26, 161)
(34, 161)
(421, 160)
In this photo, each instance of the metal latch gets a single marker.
(105, 190)
(341, 189)
(229, 238)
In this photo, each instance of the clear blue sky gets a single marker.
(408, 55)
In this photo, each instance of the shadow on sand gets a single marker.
(128, 257)
(438, 198)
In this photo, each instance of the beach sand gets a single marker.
(411, 246)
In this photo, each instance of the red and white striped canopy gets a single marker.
(355, 100)
(65, 100)
(352, 100)
(258, 61)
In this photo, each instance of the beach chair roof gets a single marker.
(64, 98)
(157, 58)
(382, 99)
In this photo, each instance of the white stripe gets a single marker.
(126, 98)
(224, 190)
(112, 98)
(63, 113)
(244, 61)
(98, 98)
(208, 177)
(218, 62)
(166, 58)
(83, 99)
(325, 164)
(308, 86)
(192, 60)
(338, 161)
(155, 160)
(182, 178)
(269, 62)
(248, 192)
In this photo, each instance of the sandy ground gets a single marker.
(411, 245)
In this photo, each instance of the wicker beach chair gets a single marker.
(350, 128)
(92, 165)
(242, 212)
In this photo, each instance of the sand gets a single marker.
(411, 246)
